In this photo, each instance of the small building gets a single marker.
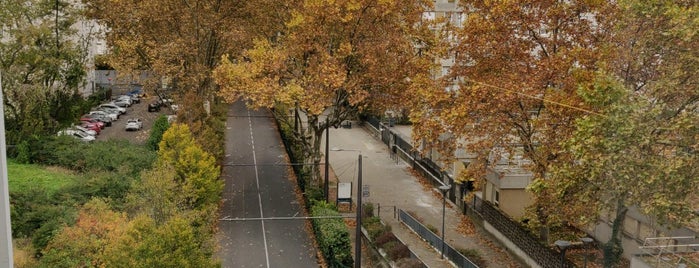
(505, 187)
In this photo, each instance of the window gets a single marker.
(497, 198)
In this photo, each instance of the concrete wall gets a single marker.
(510, 246)
(514, 202)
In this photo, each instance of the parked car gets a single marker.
(88, 128)
(92, 120)
(76, 134)
(122, 103)
(87, 131)
(111, 105)
(110, 111)
(134, 124)
(132, 98)
(102, 118)
(114, 116)
(154, 107)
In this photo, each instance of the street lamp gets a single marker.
(444, 189)
(562, 245)
(326, 188)
(358, 228)
(586, 242)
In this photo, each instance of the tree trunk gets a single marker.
(613, 248)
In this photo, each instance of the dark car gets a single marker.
(154, 107)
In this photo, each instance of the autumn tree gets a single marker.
(84, 244)
(518, 66)
(147, 244)
(42, 66)
(332, 59)
(640, 150)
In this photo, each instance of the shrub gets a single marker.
(156, 133)
(374, 227)
(314, 194)
(399, 251)
(332, 236)
(367, 210)
(385, 238)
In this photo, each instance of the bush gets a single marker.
(385, 238)
(314, 194)
(399, 251)
(332, 236)
(156, 134)
(367, 210)
(374, 227)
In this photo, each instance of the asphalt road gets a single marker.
(257, 186)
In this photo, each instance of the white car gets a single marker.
(77, 134)
(121, 110)
(87, 131)
(134, 124)
(112, 112)
(113, 116)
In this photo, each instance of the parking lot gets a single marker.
(137, 110)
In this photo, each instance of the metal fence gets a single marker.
(449, 252)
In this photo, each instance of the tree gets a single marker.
(333, 59)
(518, 67)
(640, 150)
(84, 244)
(147, 244)
(621, 160)
(156, 133)
(196, 171)
(42, 67)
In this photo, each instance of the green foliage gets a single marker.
(375, 227)
(314, 194)
(197, 172)
(43, 66)
(23, 178)
(332, 236)
(367, 210)
(156, 133)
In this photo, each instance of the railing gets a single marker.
(433, 239)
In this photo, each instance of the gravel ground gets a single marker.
(137, 110)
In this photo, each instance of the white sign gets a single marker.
(344, 191)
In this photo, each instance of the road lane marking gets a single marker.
(259, 196)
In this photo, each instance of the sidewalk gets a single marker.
(391, 184)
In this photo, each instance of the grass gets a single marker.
(22, 177)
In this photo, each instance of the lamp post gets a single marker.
(358, 228)
(444, 189)
(326, 188)
(586, 242)
(562, 245)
